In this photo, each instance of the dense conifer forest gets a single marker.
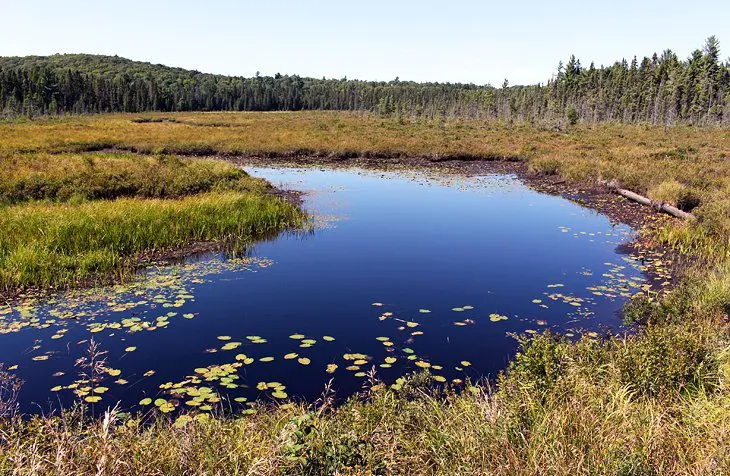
(661, 89)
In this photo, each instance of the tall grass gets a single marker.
(51, 244)
(653, 403)
(77, 177)
(586, 417)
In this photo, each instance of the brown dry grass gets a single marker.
(652, 404)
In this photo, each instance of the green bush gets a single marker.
(540, 362)
(666, 359)
(572, 116)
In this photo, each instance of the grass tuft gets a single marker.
(49, 244)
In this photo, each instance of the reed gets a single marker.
(65, 244)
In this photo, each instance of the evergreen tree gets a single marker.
(661, 89)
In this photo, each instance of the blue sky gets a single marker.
(457, 41)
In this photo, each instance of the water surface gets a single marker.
(403, 271)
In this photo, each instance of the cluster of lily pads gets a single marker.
(206, 387)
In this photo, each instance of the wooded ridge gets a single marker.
(661, 89)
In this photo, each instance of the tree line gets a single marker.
(661, 89)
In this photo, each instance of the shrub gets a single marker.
(539, 363)
(572, 116)
(666, 359)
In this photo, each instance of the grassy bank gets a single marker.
(653, 403)
(71, 218)
(78, 177)
(45, 245)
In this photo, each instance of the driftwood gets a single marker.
(665, 207)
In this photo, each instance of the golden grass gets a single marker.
(62, 177)
(639, 156)
(591, 426)
(690, 160)
(651, 404)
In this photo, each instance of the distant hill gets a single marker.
(93, 64)
(659, 89)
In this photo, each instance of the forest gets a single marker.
(661, 90)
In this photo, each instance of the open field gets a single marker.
(657, 402)
(641, 157)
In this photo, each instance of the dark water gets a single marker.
(508, 259)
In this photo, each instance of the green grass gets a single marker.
(654, 403)
(67, 219)
(50, 244)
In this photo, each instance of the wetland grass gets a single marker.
(68, 219)
(62, 244)
(685, 166)
(65, 177)
(655, 402)
(560, 408)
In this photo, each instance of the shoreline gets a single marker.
(596, 197)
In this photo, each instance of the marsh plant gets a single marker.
(652, 402)
(9, 393)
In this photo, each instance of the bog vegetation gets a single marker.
(656, 402)
(660, 89)
(71, 218)
(653, 403)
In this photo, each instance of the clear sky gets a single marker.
(456, 41)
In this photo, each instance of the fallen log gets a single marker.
(665, 207)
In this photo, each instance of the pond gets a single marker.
(403, 271)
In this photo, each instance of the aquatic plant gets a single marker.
(45, 244)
